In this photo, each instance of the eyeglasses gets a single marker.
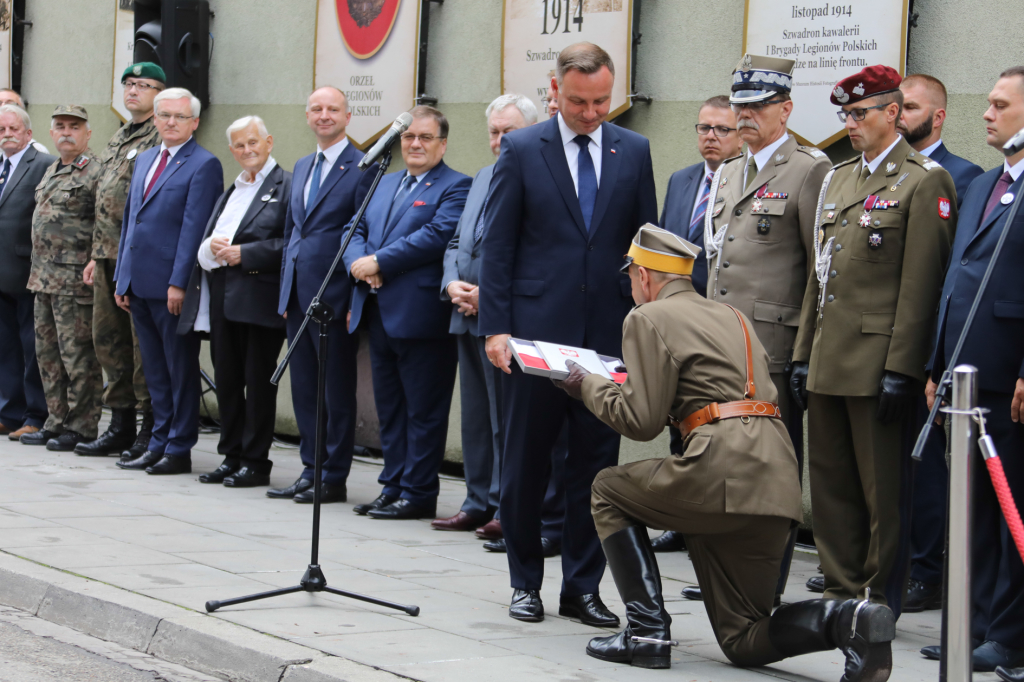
(720, 131)
(858, 114)
(755, 106)
(141, 87)
(424, 139)
(180, 118)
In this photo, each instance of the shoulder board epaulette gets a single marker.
(738, 156)
(82, 162)
(847, 162)
(813, 151)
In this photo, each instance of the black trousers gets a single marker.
(244, 359)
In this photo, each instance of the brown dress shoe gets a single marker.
(16, 435)
(490, 530)
(461, 521)
(4, 430)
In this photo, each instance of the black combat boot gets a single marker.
(635, 570)
(142, 440)
(861, 630)
(118, 437)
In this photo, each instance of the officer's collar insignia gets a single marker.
(82, 162)
(890, 167)
(779, 158)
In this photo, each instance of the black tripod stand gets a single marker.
(313, 580)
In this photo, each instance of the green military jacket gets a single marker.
(682, 353)
(118, 161)
(872, 303)
(62, 227)
(765, 244)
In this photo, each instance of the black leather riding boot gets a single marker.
(635, 570)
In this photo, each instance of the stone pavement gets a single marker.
(175, 540)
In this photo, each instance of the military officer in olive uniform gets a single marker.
(117, 347)
(733, 492)
(62, 226)
(886, 224)
(759, 233)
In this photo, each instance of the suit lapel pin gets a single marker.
(131, 154)
(341, 168)
(612, 151)
(1006, 198)
(427, 184)
(890, 167)
(265, 197)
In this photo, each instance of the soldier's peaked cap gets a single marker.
(758, 78)
(661, 250)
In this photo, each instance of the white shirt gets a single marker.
(152, 169)
(762, 157)
(572, 152)
(227, 225)
(700, 190)
(1014, 170)
(331, 155)
(927, 151)
(873, 166)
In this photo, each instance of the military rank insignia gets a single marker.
(944, 208)
(875, 240)
(890, 167)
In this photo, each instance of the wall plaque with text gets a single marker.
(124, 54)
(535, 31)
(829, 41)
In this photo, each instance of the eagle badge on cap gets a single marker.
(841, 95)
(137, 70)
(747, 63)
(859, 90)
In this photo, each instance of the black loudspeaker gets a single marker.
(176, 35)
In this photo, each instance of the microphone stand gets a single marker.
(322, 313)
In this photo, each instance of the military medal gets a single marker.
(756, 206)
(869, 204)
(764, 225)
(1006, 199)
(724, 180)
(875, 240)
(131, 154)
(899, 182)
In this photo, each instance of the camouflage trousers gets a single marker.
(67, 364)
(117, 347)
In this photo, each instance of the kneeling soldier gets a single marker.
(734, 493)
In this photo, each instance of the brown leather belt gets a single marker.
(737, 408)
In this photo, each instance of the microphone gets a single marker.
(400, 125)
(1015, 145)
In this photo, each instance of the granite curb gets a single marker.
(175, 634)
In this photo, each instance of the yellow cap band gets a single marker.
(662, 262)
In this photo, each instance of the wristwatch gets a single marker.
(375, 259)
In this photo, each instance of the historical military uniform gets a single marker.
(866, 328)
(62, 227)
(734, 492)
(117, 347)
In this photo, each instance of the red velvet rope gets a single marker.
(1002, 488)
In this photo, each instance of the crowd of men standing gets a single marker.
(854, 280)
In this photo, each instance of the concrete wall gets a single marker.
(263, 63)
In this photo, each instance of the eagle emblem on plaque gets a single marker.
(365, 11)
(366, 24)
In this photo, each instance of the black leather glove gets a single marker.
(573, 384)
(896, 396)
(798, 384)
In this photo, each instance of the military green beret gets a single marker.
(145, 70)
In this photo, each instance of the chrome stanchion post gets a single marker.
(963, 438)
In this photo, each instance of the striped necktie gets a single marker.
(697, 224)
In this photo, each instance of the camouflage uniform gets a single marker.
(62, 226)
(112, 330)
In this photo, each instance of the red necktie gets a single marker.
(156, 176)
(1002, 184)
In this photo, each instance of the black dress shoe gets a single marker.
(146, 459)
(816, 584)
(589, 610)
(300, 485)
(992, 655)
(669, 541)
(329, 492)
(496, 546)
(922, 596)
(40, 437)
(548, 546)
(170, 465)
(527, 606)
(247, 477)
(405, 510)
(934, 652)
(379, 503)
(142, 439)
(65, 442)
(219, 474)
(1010, 674)
(692, 593)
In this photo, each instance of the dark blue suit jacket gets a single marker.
(544, 277)
(160, 235)
(409, 241)
(312, 240)
(675, 216)
(995, 344)
(963, 171)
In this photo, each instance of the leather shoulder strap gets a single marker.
(749, 386)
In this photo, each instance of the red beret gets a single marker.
(874, 80)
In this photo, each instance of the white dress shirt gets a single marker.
(762, 157)
(14, 159)
(152, 169)
(873, 166)
(227, 225)
(927, 151)
(572, 152)
(1014, 170)
(331, 155)
(415, 181)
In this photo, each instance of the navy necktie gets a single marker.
(586, 180)
(478, 231)
(4, 176)
(403, 190)
(314, 185)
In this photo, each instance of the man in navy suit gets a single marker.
(924, 112)
(396, 257)
(327, 190)
(566, 198)
(172, 194)
(995, 345)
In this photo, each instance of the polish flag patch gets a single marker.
(944, 208)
